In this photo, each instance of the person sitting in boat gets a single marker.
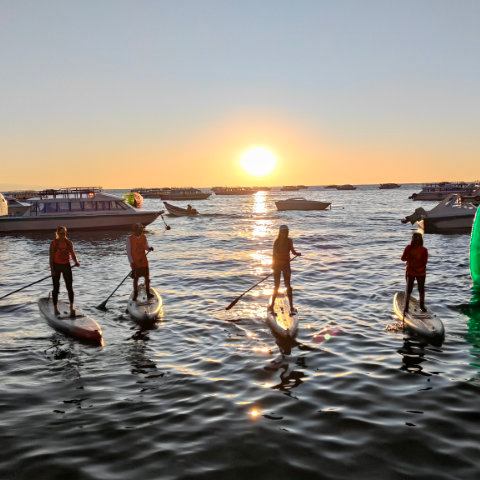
(137, 245)
(282, 247)
(191, 210)
(416, 256)
(61, 250)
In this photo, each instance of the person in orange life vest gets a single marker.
(282, 247)
(416, 256)
(137, 245)
(61, 250)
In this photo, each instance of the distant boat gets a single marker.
(172, 193)
(293, 188)
(179, 211)
(78, 209)
(388, 186)
(345, 187)
(451, 215)
(331, 186)
(234, 190)
(439, 191)
(301, 203)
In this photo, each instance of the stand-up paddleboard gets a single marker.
(81, 326)
(425, 324)
(280, 321)
(475, 251)
(143, 309)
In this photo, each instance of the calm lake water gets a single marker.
(208, 394)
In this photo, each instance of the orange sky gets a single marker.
(210, 156)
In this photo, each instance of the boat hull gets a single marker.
(284, 205)
(85, 222)
(460, 224)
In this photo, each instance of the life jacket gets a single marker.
(138, 245)
(281, 253)
(62, 251)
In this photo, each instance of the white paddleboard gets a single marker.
(423, 323)
(81, 326)
(143, 309)
(280, 321)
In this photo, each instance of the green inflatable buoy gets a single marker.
(475, 251)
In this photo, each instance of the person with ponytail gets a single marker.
(416, 256)
(282, 247)
(61, 250)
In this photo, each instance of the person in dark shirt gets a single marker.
(416, 256)
(282, 247)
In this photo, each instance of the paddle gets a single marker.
(234, 302)
(167, 227)
(103, 305)
(26, 286)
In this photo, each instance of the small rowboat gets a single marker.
(179, 211)
(301, 204)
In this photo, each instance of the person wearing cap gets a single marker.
(137, 246)
(282, 247)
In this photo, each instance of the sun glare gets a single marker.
(258, 161)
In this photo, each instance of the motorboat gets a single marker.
(345, 187)
(301, 203)
(179, 211)
(78, 209)
(293, 188)
(16, 207)
(452, 215)
(388, 186)
(330, 186)
(173, 193)
(440, 191)
(234, 190)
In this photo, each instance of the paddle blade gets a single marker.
(232, 304)
(102, 306)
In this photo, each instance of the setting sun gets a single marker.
(258, 161)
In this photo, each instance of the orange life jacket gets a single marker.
(138, 245)
(62, 251)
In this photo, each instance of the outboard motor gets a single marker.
(417, 215)
(3, 206)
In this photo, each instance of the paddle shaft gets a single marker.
(103, 305)
(26, 286)
(232, 304)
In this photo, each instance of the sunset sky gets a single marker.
(170, 93)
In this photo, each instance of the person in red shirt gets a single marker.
(137, 245)
(282, 247)
(61, 250)
(416, 256)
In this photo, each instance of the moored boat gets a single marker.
(179, 211)
(293, 188)
(440, 191)
(301, 203)
(173, 193)
(234, 190)
(77, 209)
(388, 186)
(346, 187)
(452, 215)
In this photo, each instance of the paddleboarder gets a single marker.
(137, 246)
(416, 256)
(61, 250)
(282, 247)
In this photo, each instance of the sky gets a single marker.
(145, 93)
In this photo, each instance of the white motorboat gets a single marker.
(179, 211)
(16, 207)
(452, 215)
(77, 209)
(301, 203)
